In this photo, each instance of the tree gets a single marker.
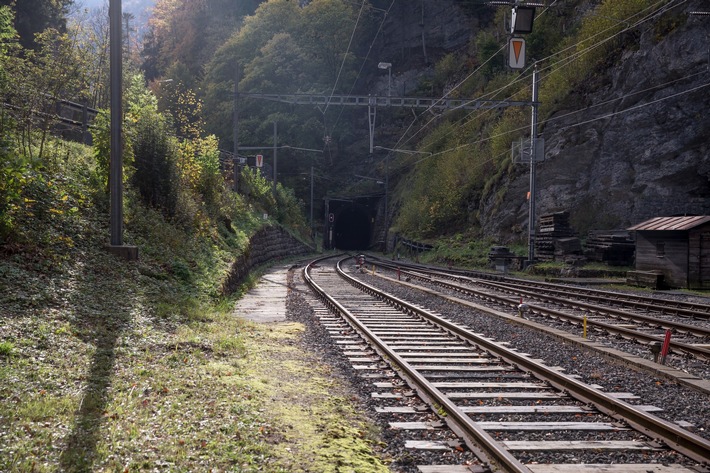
(11, 169)
(8, 37)
(283, 48)
(35, 16)
(188, 32)
(94, 45)
(54, 70)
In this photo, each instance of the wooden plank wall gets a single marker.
(674, 264)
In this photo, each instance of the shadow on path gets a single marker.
(101, 327)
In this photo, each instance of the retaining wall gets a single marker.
(269, 243)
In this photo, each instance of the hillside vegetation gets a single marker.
(468, 188)
(472, 162)
(115, 366)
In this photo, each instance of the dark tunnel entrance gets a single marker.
(352, 229)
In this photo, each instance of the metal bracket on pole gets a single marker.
(235, 130)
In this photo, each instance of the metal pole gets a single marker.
(85, 135)
(116, 165)
(387, 185)
(275, 161)
(312, 235)
(371, 115)
(327, 229)
(533, 145)
(235, 131)
(389, 82)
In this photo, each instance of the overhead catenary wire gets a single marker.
(367, 56)
(665, 6)
(568, 60)
(362, 66)
(585, 122)
(345, 56)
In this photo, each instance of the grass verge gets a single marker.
(108, 386)
(115, 366)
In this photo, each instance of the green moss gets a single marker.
(313, 426)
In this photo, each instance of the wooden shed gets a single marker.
(677, 247)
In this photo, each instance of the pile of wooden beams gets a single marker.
(555, 237)
(615, 248)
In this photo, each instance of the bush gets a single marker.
(156, 176)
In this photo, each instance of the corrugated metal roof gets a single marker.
(672, 223)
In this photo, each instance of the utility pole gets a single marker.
(275, 161)
(311, 220)
(116, 165)
(235, 129)
(533, 157)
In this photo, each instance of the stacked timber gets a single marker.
(615, 248)
(555, 237)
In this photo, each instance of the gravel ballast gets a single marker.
(680, 404)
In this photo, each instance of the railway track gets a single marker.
(667, 306)
(643, 319)
(514, 413)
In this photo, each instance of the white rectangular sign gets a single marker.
(516, 53)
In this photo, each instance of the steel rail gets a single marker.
(556, 298)
(683, 308)
(672, 435)
(697, 351)
(687, 309)
(477, 439)
(694, 350)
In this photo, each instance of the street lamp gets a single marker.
(388, 66)
(522, 19)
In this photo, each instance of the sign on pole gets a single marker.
(259, 160)
(521, 152)
(516, 53)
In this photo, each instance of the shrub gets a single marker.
(155, 176)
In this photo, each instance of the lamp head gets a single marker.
(522, 19)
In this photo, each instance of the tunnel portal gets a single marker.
(352, 229)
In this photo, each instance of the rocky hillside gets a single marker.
(633, 144)
(629, 144)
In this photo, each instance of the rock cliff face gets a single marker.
(631, 144)
(634, 145)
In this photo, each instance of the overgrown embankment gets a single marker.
(109, 365)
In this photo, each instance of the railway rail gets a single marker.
(639, 318)
(515, 413)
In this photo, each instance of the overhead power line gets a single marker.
(647, 14)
